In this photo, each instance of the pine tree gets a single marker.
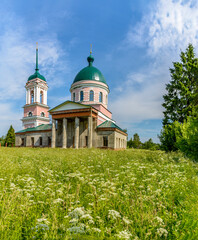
(181, 95)
(10, 137)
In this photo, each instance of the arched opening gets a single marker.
(74, 97)
(32, 96)
(42, 114)
(91, 95)
(100, 97)
(41, 97)
(81, 96)
(30, 114)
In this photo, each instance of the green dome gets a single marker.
(90, 73)
(36, 75)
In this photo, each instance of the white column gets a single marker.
(90, 132)
(53, 133)
(38, 94)
(76, 138)
(45, 97)
(64, 133)
(34, 94)
(26, 96)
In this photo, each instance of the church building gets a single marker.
(83, 121)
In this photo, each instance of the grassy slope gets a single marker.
(61, 194)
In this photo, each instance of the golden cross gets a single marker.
(36, 45)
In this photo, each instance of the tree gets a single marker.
(187, 139)
(10, 137)
(181, 94)
(168, 136)
(2, 140)
(136, 141)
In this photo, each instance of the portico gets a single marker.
(73, 127)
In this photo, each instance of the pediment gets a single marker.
(68, 105)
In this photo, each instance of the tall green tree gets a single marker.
(10, 137)
(136, 141)
(182, 90)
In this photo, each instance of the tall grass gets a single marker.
(97, 194)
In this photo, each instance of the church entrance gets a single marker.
(32, 141)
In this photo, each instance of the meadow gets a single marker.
(97, 194)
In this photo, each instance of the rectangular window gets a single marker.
(22, 142)
(41, 141)
(105, 141)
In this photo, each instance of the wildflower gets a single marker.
(77, 229)
(162, 232)
(159, 220)
(96, 230)
(113, 214)
(124, 235)
(58, 200)
(77, 212)
(126, 220)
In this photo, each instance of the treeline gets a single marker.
(136, 143)
(180, 123)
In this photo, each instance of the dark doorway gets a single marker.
(105, 141)
(49, 141)
(86, 141)
(32, 141)
(41, 141)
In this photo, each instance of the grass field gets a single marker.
(97, 194)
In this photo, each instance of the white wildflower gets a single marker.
(126, 220)
(124, 235)
(96, 230)
(162, 232)
(159, 220)
(77, 212)
(77, 229)
(58, 200)
(113, 214)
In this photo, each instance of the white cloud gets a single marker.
(168, 28)
(170, 25)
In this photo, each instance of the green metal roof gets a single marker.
(38, 128)
(36, 74)
(90, 73)
(109, 124)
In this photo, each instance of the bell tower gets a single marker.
(36, 108)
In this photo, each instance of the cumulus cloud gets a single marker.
(168, 28)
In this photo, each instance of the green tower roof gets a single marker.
(90, 73)
(36, 74)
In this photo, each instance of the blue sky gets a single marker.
(134, 45)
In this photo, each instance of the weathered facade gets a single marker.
(85, 121)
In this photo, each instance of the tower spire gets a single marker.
(90, 48)
(37, 57)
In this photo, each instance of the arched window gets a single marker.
(32, 96)
(30, 114)
(91, 95)
(42, 114)
(100, 97)
(81, 96)
(74, 97)
(41, 97)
